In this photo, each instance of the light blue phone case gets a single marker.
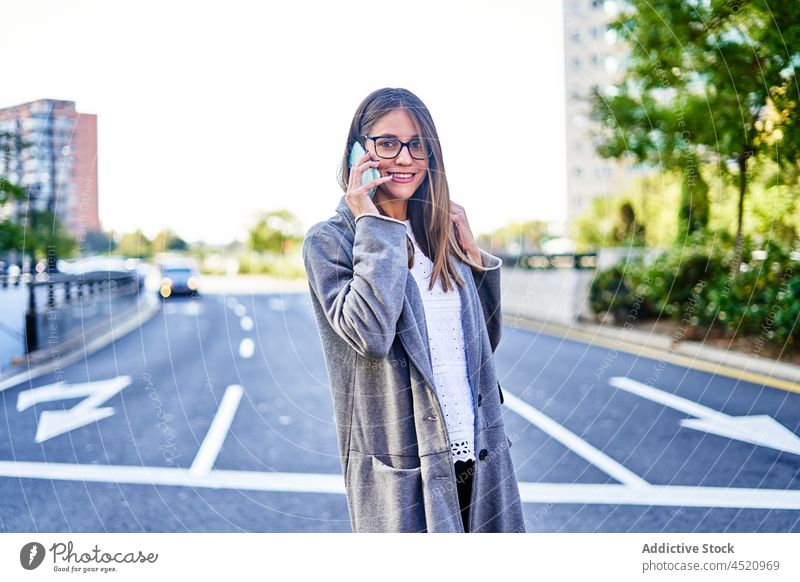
(356, 153)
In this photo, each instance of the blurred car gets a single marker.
(104, 264)
(179, 279)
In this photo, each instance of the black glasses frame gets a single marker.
(403, 144)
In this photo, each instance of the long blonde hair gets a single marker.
(429, 208)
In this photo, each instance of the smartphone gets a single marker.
(357, 152)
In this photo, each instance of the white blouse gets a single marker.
(446, 336)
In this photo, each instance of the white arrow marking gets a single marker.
(759, 429)
(55, 422)
(58, 391)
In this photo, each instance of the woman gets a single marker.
(408, 310)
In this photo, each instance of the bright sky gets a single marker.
(207, 110)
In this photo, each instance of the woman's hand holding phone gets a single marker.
(357, 196)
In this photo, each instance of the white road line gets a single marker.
(574, 493)
(216, 478)
(573, 442)
(278, 304)
(217, 431)
(672, 495)
(247, 347)
(246, 322)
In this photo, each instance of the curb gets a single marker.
(688, 353)
(77, 348)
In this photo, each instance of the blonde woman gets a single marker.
(408, 311)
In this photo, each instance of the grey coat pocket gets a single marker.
(384, 497)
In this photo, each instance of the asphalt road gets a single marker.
(216, 416)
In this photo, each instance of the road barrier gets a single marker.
(63, 308)
(551, 261)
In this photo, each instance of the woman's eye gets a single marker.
(416, 144)
(386, 143)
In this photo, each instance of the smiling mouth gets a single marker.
(402, 177)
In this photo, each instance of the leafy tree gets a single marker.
(628, 231)
(46, 236)
(706, 81)
(135, 244)
(11, 234)
(9, 191)
(276, 232)
(609, 222)
(525, 236)
(167, 240)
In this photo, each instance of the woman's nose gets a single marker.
(404, 157)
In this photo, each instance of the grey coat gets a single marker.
(393, 442)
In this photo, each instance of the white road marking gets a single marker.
(277, 304)
(57, 391)
(56, 422)
(758, 429)
(672, 495)
(240, 310)
(216, 478)
(246, 322)
(217, 432)
(191, 308)
(577, 493)
(246, 347)
(573, 441)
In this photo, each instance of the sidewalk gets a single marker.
(54, 358)
(557, 302)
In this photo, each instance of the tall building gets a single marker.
(593, 56)
(50, 150)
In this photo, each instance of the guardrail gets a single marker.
(551, 261)
(7, 280)
(63, 306)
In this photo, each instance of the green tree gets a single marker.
(135, 244)
(167, 240)
(46, 236)
(526, 237)
(277, 232)
(705, 81)
(610, 221)
(628, 231)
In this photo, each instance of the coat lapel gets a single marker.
(412, 327)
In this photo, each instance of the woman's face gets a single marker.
(398, 123)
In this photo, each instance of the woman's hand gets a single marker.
(357, 196)
(464, 236)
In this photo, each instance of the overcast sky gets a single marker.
(205, 109)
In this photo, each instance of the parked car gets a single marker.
(104, 264)
(179, 278)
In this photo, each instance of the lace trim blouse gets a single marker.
(446, 337)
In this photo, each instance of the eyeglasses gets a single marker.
(390, 147)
